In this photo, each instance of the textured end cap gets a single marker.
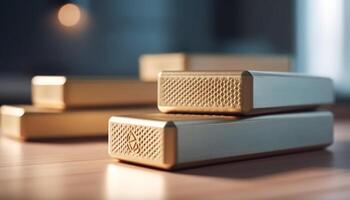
(201, 92)
(142, 141)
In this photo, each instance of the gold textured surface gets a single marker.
(143, 141)
(136, 141)
(200, 91)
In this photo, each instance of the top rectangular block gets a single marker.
(151, 65)
(241, 92)
(75, 92)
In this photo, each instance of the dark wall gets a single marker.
(269, 24)
(117, 32)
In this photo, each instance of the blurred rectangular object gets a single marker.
(241, 92)
(28, 122)
(170, 141)
(150, 65)
(81, 92)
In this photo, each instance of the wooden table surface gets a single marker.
(81, 169)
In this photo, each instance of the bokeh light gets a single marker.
(69, 15)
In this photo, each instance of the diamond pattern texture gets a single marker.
(136, 141)
(200, 91)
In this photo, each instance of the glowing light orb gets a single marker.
(69, 15)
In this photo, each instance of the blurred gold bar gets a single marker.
(150, 65)
(76, 92)
(241, 92)
(27, 122)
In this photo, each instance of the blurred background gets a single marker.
(86, 37)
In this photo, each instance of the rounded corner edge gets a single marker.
(247, 73)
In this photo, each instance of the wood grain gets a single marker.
(81, 169)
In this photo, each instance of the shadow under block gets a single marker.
(29, 122)
(75, 92)
(151, 65)
(170, 141)
(240, 92)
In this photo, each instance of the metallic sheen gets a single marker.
(27, 122)
(151, 65)
(240, 92)
(75, 92)
(171, 141)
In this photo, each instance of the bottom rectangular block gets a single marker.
(28, 122)
(170, 141)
